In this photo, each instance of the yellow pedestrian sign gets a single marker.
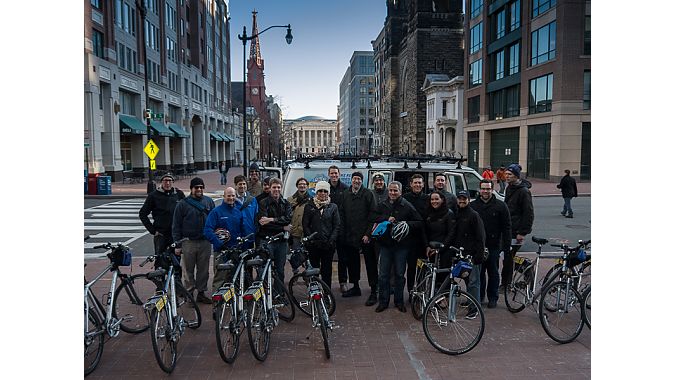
(151, 149)
(152, 165)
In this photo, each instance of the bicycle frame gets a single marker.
(104, 313)
(160, 300)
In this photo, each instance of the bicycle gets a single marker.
(583, 269)
(586, 310)
(171, 309)
(424, 285)
(453, 320)
(109, 319)
(264, 302)
(229, 312)
(299, 282)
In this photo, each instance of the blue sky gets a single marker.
(306, 74)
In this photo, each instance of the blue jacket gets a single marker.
(249, 216)
(224, 216)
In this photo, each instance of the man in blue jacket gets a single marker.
(248, 204)
(223, 227)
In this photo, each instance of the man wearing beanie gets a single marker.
(520, 204)
(161, 204)
(189, 219)
(356, 209)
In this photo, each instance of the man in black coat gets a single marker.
(521, 213)
(420, 201)
(274, 216)
(161, 204)
(495, 217)
(337, 188)
(470, 235)
(440, 186)
(568, 188)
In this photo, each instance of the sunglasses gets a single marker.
(322, 191)
(199, 187)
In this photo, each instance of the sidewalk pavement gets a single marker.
(213, 187)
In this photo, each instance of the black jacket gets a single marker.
(161, 205)
(520, 204)
(451, 200)
(189, 221)
(470, 233)
(401, 210)
(379, 196)
(280, 210)
(355, 212)
(495, 217)
(336, 192)
(568, 186)
(440, 229)
(419, 201)
(325, 223)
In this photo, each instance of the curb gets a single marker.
(559, 195)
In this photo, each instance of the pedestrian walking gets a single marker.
(223, 171)
(223, 226)
(470, 235)
(274, 216)
(568, 188)
(500, 175)
(321, 216)
(488, 173)
(189, 220)
(495, 217)
(161, 204)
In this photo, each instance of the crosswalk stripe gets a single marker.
(130, 221)
(114, 215)
(116, 235)
(114, 228)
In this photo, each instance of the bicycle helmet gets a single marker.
(223, 234)
(400, 231)
(380, 229)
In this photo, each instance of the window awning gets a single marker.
(160, 129)
(130, 124)
(178, 130)
(227, 137)
(215, 136)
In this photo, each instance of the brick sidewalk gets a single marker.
(366, 346)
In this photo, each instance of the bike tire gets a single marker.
(227, 338)
(586, 306)
(550, 272)
(420, 290)
(186, 307)
(565, 323)
(516, 293)
(281, 300)
(93, 344)
(259, 336)
(453, 337)
(128, 301)
(323, 325)
(298, 291)
(164, 347)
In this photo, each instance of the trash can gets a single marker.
(91, 183)
(103, 184)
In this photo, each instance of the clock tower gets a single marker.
(255, 85)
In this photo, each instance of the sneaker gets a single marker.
(569, 216)
(472, 314)
(203, 299)
(492, 304)
(354, 292)
(343, 287)
(380, 307)
(401, 307)
(372, 300)
(563, 213)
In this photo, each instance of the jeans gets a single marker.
(490, 267)
(392, 256)
(224, 178)
(278, 252)
(474, 282)
(566, 207)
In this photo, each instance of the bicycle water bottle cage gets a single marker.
(461, 269)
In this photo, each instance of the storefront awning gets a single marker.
(160, 129)
(227, 137)
(178, 130)
(215, 136)
(130, 124)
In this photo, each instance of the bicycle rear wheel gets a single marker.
(93, 342)
(257, 329)
(281, 300)
(449, 326)
(298, 292)
(516, 293)
(227, 337)
(186, 307)
(564, 324)
(586, 309)
(421, 288)
(164, 344)
(323, 325)
(128, 302)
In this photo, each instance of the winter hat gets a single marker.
(253, 166)
(358, 174)
(167, 175)
(322, 185)
(197, 181)
(515, 169)
(463, 193)
(378, 175)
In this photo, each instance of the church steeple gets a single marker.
(255, 50)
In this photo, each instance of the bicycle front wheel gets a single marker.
(323, 325)
(163, 338)
(128, 302)
(258, 331)
(453, 325)
(93, 342)
(565, 322)
(227, 338)
(586, 309)
(516, 293)
(186, 307)
(281, 300)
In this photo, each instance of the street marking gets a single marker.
(410, 350)
(115, 235)
(113, 214)
(114, 228)
(132, 221)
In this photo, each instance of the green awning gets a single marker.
(227, 137)
(223, 136)
(178, 130)
(130, 124)
(215, 136)
(160, 129)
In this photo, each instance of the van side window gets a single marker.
(472, 184)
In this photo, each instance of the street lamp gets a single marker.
(244, 38)
(370, 131)
(269, 147)
(142, 9)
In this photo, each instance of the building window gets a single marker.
(543, 43)
(514, 15)
(540, 96)
(586, 97)
(96, 3)
(97, 43)
(513, 101)
(444, 106)
(495, 105)
(476, 38)
(503, 103)
(587, 35)
(499, 25)
(118, 13)
(514, 52)
(473, 109)
(500, 65)
(477, 5)
(430, 109)
(542, 6)
(475, 69)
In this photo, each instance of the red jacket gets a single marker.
(487, 174)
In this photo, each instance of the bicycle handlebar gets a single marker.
(310, 236)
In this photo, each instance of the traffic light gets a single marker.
(149, 114)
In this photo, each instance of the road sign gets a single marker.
(152, 165)
(151, 149)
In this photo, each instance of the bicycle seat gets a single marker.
(225, 266)
(436, 245)
(311, 272)
(157, 273)
(540, 240)
(254, 262)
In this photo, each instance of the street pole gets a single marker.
(142, 9)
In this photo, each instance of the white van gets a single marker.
(457, 177)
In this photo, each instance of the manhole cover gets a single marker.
(577, 226)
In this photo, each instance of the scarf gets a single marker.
(300, 199)
(320, 205)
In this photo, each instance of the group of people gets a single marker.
(344, 218)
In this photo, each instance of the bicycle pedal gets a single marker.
(304, 303)
(192, 323)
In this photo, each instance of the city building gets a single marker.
(356, 110)
(528, 91)
(188, 84)
(444, 131)
(311, 135)
(420, 37)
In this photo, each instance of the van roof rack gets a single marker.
(420, 158)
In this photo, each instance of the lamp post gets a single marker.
(143, 11)
(244, 38)
(269, 147)
(370, 140)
